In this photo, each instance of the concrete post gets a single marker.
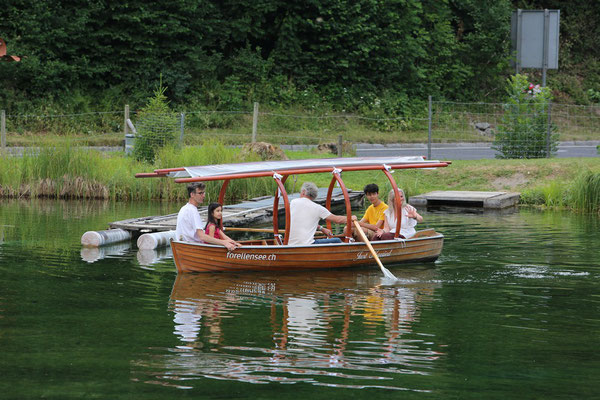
(126, 117)
(254, 122)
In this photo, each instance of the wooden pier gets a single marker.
(491, 200)
(252, 212)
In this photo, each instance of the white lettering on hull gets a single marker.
(363, 255)
(238, 255)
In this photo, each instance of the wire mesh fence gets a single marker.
(444, 122)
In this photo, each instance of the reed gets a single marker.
(73, 172)
(584, 194)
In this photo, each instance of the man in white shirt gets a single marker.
(190, 227)
(305, 217)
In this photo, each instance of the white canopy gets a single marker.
(224, 170)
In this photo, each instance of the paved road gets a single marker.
(467, 151)
(446, 151)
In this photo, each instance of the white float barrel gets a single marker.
(101, 238)
(149, 241)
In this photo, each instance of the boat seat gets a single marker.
(424, 233)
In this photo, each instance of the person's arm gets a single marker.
(386, 225)
(324, 231)
(339, 219)
(212, 240)
(211, 230)
(227, 238)
(412, 213)
(367, 225)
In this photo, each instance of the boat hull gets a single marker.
(426, 246)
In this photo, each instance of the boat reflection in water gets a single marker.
(339, 328)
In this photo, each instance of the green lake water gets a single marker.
(511, 310)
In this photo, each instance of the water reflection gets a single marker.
(149, 257)
(146, 257)
(93, 254)
(335, 328)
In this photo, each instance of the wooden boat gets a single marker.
(275, 254)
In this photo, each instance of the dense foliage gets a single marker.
(371, 56)
(524, 131)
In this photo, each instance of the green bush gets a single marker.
(523, 132)
(157, 127)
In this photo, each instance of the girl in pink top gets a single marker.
(213, 226)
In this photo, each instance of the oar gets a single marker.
(385, 271)
(232, 229)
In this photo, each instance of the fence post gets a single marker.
(3, 130)
(126, 114)
(254, 122)
(182, 128)
(429, 129)
(549, 129)
(339, 146)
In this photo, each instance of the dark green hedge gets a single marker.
(228, 53)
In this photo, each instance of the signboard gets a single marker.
(534, 35)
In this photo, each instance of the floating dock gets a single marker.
(492, 200)
(252, 212)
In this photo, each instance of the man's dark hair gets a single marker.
(371, 188)
(191, 188)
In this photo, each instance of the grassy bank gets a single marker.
(72, 172)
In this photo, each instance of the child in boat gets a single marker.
(213, 226)
(410, 218)
(372, 221)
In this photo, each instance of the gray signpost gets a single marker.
(534, 37)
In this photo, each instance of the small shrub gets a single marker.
(157, 126)
(523, 132)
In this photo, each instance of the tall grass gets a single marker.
(585, 192)
(74, 172)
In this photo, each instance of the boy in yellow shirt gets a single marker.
(372, 221)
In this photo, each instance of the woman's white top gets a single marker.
(407, 227)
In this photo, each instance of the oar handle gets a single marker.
(366, 240)
(236, 229)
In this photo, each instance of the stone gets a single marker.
(484, 128)
(265, 150)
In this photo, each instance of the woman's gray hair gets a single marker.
(310, 190)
